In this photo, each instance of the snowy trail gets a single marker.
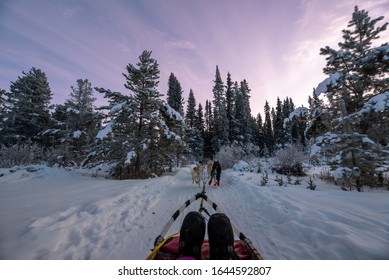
(57, 214)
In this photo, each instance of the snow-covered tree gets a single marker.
(28, 107)
(296, 123)
(143, 134)
(357, 78)
(76, 122)
(357, 69)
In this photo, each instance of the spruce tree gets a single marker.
(356, 80)
(278, 123)
(209, 130)
(200, 128)
(143, 135)
(82, 122)
(243, 121)
(230, 104)
(220, 122)
(194, 137)
(260, 134)
(142, 80)
(2, 116)
(268, 131)
(28, 107)
(355, 66)
(190, 117)
(199, 122)
(174, 94)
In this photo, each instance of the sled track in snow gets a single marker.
(232, 197)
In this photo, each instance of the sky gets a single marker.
(273, 44)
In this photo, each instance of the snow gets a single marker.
(77, 134)
(297, 113)
(130, 156)
(72, 110)
(378, 103)
(118, 107)
(105, 131)
(53, 213)
(241, 166)
(332, 80)
(173, 113)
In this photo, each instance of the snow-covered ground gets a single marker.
(51, 213)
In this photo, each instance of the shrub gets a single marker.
(288, 161)
(28, 153)
(228, 155)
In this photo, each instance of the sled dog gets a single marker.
(196, 174)
(209, 167)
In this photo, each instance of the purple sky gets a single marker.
(273, 44)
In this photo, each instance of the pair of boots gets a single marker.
(220, 234)
(217, 183)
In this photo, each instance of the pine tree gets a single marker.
(191, 110)
(318, 119)
(356, 80)
(220, 122)
(194, 137)
(230, 104)
(235, 128)
(174, 94)
(260, 134)
(81, 121)
(28, 107)
(278, 123)
(143, 135)
(2, 116)
(2, 106)
(199, 123)
(117, 138)
(199, 126)
(142, 81)
(209, 130)
(268, 131)
(243, 121)
(356, 73)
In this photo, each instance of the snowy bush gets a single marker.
(288, 161)
(18, 155)
(26, 153)
(241, 166)
(229, 155)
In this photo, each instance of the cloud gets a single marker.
(173, 43)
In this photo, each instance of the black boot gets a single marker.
(221, 238)
(192, 235)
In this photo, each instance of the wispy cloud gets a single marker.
(273, 44)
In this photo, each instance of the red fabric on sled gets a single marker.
(169, 250)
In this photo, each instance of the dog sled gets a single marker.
(166, 246)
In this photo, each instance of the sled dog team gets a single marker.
(213, 171)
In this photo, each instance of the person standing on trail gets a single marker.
(216, 173)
